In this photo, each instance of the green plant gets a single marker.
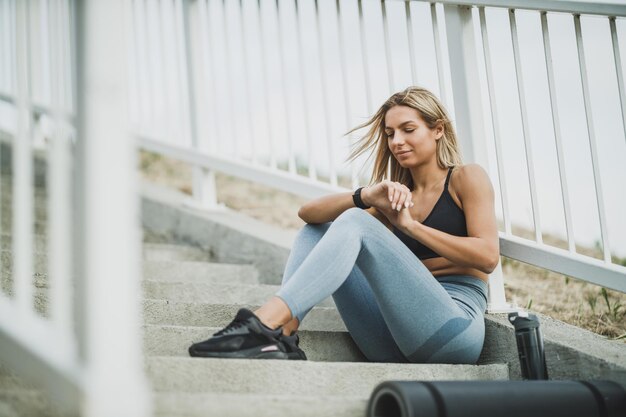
(529, 304)
(614, 308)
(567, 279)
(592, 300)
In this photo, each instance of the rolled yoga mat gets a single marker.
(536, 398)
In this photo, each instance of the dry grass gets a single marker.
(567, 299)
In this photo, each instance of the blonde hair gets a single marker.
(431, 111)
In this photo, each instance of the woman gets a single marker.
(406, 260)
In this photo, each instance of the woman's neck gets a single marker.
(425, 177)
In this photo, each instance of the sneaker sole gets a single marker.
(252, 353)
(296, 356)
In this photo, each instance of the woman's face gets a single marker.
(409, 139)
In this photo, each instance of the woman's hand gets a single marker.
(402, 219)
(392, 199)
(387, 194)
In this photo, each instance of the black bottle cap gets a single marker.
(523, 320)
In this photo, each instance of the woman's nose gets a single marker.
(397, 138)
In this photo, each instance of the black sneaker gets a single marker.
(291, 344)
(245, 337)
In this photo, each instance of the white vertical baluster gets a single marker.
(388, 57)
(209, 61)
(248, 104)
(5, 87)
(145, 96)
(5, 47)
(108, 234)
(325, 104)
(525, 129)
(44, 38)
(156, 65)
(153, 67)
(59, 200)
(346, 86)
(366, 69)
(234, 128)
(181, 71)
(592, 141)
(204, 189)
(411, 38)
(172, 90)
(66, 55)
(283, 77)
(443, 95)
(557, 132)
(23, 169)
(465, 83)
(618, 71)
(305, 100)
(266, 91)
(495, 121)
(133, 51)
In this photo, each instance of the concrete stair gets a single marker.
(185, 307)
(187, 298)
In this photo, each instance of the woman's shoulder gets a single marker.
(470, 179)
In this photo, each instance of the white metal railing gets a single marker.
(251, 88)
(262, 67)
(57, 56)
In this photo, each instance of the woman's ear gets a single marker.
(439, 130)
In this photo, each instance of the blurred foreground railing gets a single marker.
(58, 56)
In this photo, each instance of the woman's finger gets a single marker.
(394, 196)
(402, 197)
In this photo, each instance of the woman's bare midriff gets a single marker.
(441, 266)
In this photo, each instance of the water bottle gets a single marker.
(529, 345)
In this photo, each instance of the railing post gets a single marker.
(469, 115)
(204, 190)
(107, 225)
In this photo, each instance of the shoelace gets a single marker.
(232, 326)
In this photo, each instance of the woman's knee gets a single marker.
(313, 231)
(353, 212)
(352, 216)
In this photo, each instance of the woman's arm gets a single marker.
(327, 208)
(379, 197)
(481, 248)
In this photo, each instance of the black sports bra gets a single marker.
(446, 216)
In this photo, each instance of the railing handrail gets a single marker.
(558, 260)
(603, 8)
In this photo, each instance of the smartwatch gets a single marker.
(356, 197)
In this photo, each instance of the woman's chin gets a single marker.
(405, 163)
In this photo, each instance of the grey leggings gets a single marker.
(393, 307)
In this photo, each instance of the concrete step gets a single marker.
(223, 293)
(162, 340)
(169, 252)
(285, 377)
(199, 272)
(254, 405)
(34, 403)
(219, 315)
